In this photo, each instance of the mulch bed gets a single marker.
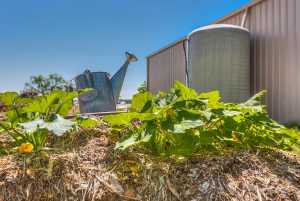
(92, 171)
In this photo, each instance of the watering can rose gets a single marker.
(25, 148)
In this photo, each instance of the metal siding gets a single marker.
(166, 67)
(275, 56)
(274, 26)
(297, 52)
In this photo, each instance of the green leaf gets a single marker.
(59, 126)
(8, 98)
(257, 99)
(206, 138)
(126, 118)
(87, 123)
(37, 138)
(57, 102)
(231, 113)
(131, 141)
(184, 144)
(213, 98)
(4, 126)
(66, 102)
(2, 151)
(141, 102)
(183, 92)
(186, 125)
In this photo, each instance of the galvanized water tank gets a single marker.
(219, 59)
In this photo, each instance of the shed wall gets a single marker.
(275, 64)
(275, 56)
(166, 67)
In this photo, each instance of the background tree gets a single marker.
(142, 87)
(42, 85)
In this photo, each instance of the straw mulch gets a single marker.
(91, 170)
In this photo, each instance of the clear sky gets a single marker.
(68, 36)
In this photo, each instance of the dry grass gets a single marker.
(90, 170)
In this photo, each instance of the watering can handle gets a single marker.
(92, 95)
(89, 78)
(89, 96)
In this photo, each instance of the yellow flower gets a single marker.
(25, 148)
(235, 138)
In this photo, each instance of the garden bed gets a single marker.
(92, 171)
(172, 146)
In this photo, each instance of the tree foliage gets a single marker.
(42, 85)
(142, 88)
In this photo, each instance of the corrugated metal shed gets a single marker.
(275, 55)
(166, 67)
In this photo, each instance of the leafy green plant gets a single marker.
(14, 104)
(36, 138)
(87, 123)
(57, 126)
(29, 120)
(48, 106)
(46, 111)
(183, 122)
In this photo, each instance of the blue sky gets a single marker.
(68, 36)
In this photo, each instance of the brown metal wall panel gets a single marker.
(297, 53)
(275, 29)
(275, 56)
(278, 62)
(166, 67)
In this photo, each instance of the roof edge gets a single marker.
(250, 5)
(254, 3)
(166, 47)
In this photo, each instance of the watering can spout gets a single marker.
(118, 79)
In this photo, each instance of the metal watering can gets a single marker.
(105, 91)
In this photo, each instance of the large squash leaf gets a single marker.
(186, 125)
(183, 92)
(141, 102)
(213, 98)
(126, 118)
(59, 126)
(57, 102)
(8, 98)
